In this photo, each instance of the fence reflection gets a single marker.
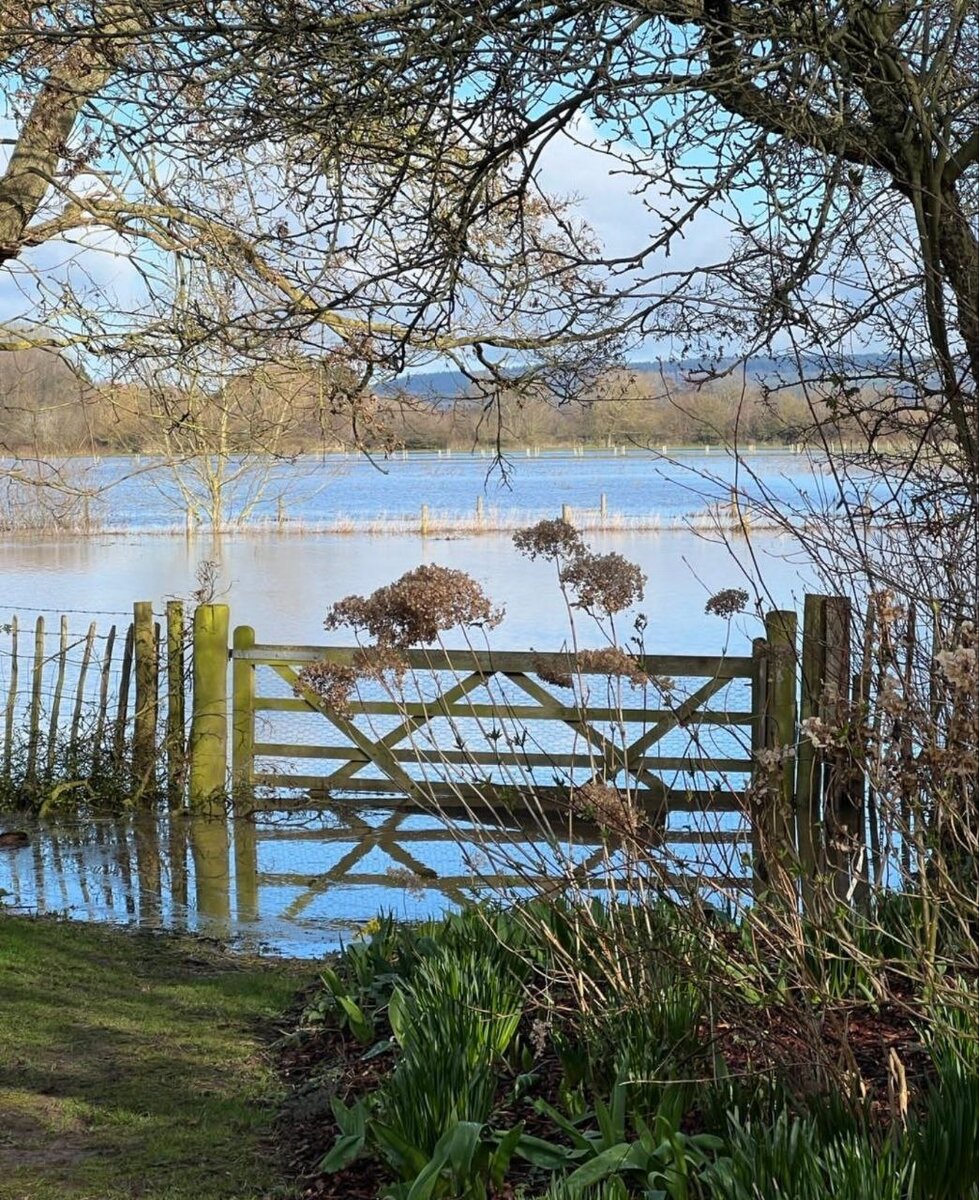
(301, 882)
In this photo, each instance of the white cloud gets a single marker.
(577, 164)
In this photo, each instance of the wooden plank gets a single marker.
(683, 712)
(379, 754)
(679, 801)
(611, 754)
(518, 758)
(412, 724)
(393, 708)
(488, 662)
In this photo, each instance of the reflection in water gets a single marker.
(299, 883)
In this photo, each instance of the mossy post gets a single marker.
(209, 722)
(147, 681)
(773, 742)
(759, 740)
(809, 776)
(781, 630)
(243, 735)
(176, 716)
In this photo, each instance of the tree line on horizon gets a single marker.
(49, 408)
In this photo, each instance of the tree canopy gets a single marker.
(372, 170)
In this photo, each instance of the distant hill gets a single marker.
(452, 385)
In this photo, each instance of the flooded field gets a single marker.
(299, 882)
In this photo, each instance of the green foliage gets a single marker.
(944, 1133)
(80, 776)
(788, 1159)
(453, 1022)
(453, 1002)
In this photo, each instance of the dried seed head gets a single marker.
(552, 673)
(608, 807)
(549, 539)
(727, 602)
(331, 682)
(612, 661)
(606, 583)
(416, 608)
(959, 667)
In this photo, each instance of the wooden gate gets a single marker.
(497, 730)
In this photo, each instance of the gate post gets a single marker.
(176, 749)
(809, 777)
(829, 797)
(243, 718)
(774, 733)
(209, 723)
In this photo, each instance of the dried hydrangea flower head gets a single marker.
(602, 583)
(605, 583)
(416, 608)
(727, 602)
(332, 682)
(555, 540)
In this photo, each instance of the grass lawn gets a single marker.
(134, 1065)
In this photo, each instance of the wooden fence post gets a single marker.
(243, 722)
(176, 714)
(59, 689)
(76, 715)
(103, 710)
(122, 707)
(8, 736)
(774, 729)
(759, 740)
(147, 692)
(809, 776)
(829, 798)
(843, 790)
(209, 721)
(34, 735)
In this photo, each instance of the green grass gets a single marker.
(134, 1065)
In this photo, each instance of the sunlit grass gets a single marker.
(134, 1065)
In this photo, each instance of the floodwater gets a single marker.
(143, 492)
(298, 883)
(301, 884)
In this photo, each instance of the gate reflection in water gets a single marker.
(300, 883)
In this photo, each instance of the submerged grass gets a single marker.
(134, 1065)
